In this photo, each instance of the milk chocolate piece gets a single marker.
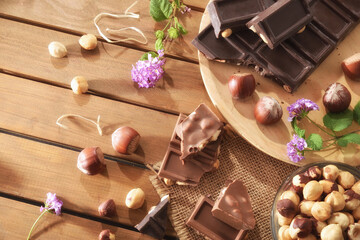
(154, 223)
(233, 207)
(280, 21)
(197, 130)
(234, 14)
(202, 221)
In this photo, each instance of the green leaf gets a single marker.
(314, 141)
(159, 34)
(349, 138)
(160, 9)
(173, 33)
(357, 112)
(300, 132)
(177, 2)
(159, 44)
(338, 121)
(145, 56)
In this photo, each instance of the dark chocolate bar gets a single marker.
(202, 221)
(280, 21)
(233, 206)
(154, 223)
(350, 6)
(234, 14)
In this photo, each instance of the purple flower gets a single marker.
(148, 72)
(52, 203)
(301, 108)
(295, 148)
(185, 10)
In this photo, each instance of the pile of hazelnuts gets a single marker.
(320, 204)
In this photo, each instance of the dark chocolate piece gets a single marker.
(351, 6)
(234, 14)
(154, 223)
(202, 221)
(280, 21)
(233, 207)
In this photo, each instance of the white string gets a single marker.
(116, 31)
(97, 123)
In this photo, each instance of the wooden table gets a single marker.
(37, 156)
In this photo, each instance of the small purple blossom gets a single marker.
(52, 203)
(301, 108)
(185, 10)
(295, 148)
(148, 72)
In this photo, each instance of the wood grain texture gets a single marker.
(31, 169)
(16, 219)
(198, 4)
(78, 16)
(32, 108)
(107, 69)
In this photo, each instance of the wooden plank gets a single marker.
(198, 4)
(30, 169)
(32, 108)
(78, 16)
(108, 69)
(16, 220)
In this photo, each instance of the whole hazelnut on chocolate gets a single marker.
(314, 173)
(268, 110)
(312, 190)
(300, 227)
(337, 98)
(354, 231)
(332, 232)
(321, 211)
(135, 198)
(286, 208)
(305, 207)
(352, 200)
(336, 201)
(346, 179)
(125, 140)
(330, 172)
(356, 187)
(283, 233)
(329, 186)
(339, 218)
(292, 196)
(91, 160)
(351, 67)
(106, 235)
(107, 208)
(241, 85)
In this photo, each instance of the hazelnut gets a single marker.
(339, 218)
(284, 233)
(91, 160)
(168, 182)
(314, 173)
(79, 85)
(319, 226)
(336, 201)
(356, 213)
(337, 98)
(312, 190)
(106, 235)
(330, 172)
(299, 182)
(135, 198)
(346, 179)
(352, 200)
(351, 218)
(107, 208)
(292, 196)
(300, 227)
(332, 232)
(286, 208)
(351, 66)
(356, 187)
(88, 41)
(216, 165)
(226, 33)
(305, 207)
(308, 237)
(341, 189)
(268, 110)
(283, 220)
(241, 85)
(125, 140)
(321, 211)
(329, 186)
(354, 231)
(57, 49)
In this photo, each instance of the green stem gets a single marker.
(331, 144)
(320, 127)
(32, 228)
(167, 24)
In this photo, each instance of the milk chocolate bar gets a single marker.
(233, 206)
(154, 223)
(202, 221)
(280, 21)
(234, 14)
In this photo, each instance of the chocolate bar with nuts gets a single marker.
(233, 206)
(280, 21)
(202, 221)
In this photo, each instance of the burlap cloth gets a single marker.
(261, 174)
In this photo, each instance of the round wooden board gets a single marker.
(273, 139)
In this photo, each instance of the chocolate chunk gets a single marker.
(280, 21)
(233, 207)
(154, 223)
(202, 221)
(351, 6)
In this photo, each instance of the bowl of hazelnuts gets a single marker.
(318, 201)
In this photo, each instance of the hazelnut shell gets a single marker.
(268, 111)
(241, 85)
(337, 98)
(125, 140)
(91, 160)
(107, 208)
(351, 67)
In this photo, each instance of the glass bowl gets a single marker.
(286, 184)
